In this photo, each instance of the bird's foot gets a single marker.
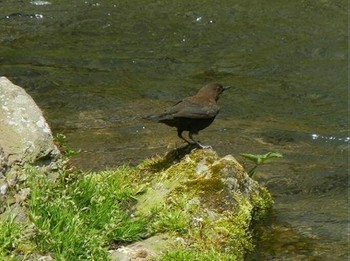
(205, 147)
(201, 146)
(197, 143)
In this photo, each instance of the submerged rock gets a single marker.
(204, 204)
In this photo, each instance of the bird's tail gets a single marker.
(156, 117)
(151, 117)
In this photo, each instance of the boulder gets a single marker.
(25, 138)
(24, 133)
(200, 203)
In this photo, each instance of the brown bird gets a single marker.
(193, 113)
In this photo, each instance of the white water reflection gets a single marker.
(329, 138)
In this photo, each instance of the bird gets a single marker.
(193, 113)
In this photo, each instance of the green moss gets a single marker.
(195, 255)
(208, 186)
(203, 229)
(200, 209)
(184, 215)
(154, 196)
(262, 203)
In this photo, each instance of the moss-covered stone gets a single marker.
(206, 202)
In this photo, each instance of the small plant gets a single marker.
(260, 159)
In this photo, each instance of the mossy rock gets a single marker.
(205, 202)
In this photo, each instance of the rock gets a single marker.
(200, 198)
(3, 162)
(24, 134)
(25, 138)
(204, 171)
(147, 249)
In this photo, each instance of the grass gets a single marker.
(10, 237)
(77, 218)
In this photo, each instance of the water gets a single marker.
(96, 67)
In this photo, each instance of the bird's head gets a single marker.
(212, 91)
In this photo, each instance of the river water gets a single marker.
(97, 67)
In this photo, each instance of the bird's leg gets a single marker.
(196, 142)
(179, 134)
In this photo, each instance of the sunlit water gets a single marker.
(97, 67)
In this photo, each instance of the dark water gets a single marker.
(96, 67)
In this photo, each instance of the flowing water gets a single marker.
(97, 67)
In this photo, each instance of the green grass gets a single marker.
(10, 237)
(78, 218)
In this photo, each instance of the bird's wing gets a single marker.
(168, 115)
(188, 109)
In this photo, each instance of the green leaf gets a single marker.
(260, 159)
(252, 157)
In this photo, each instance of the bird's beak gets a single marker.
(227, 87)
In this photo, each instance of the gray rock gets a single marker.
(3, 162)
(25, 138)
(24, 134)
(146, 249)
